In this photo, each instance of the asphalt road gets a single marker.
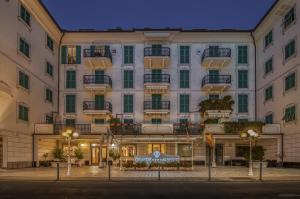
(139, 190)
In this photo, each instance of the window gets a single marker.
(290, 114)
(128, 54)
(23, 80)
(268, 38)
(184, 104)
(269, 118)
(289, 18)
(242, 79)
(128, 150)
(290, 81)
(25, 15)
(269, 66)
(289, 49)
(242, 54)
(128, 103)
(213, 96)
(71, 54)
(184, 54)
(71, 79)
(99, 121)
(70, 103)
(183, 121)
(49, 95)
(23, 113)
(49, 42)
(49, 119)
(128, 79)
(185, 150)
(24, 47)
(184, 79)
(243, 103)
(49, 69)
(156, 121)
(269, 93)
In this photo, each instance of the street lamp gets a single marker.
(69, 135)
(252, 135)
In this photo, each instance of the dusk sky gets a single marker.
(187, 14)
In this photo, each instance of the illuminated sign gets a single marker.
(156, 157)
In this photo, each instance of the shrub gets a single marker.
(216, 104)
(78, 154)
(258, 153)
(58, 154)
(238, 127)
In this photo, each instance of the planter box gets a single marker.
(255, 164)
(61, 164)
(217, 114)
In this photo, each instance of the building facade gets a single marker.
(138, 91)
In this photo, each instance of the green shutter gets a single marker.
(184, 54)
(70, 103)
(156, 101)
(78, 54)
(184, 79)
(242, 54)
(64, 54)
(71, 79)
(99, 102)
(23, 113)
(128, 103)
(242, 79)
(128, 54)
(184, 103)
(128, 79)
(243, 103)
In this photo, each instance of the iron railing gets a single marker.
(80, 128)
(156, 78)
(156, 105)
(97, 79)
(97, 53)
(216, 79)
(187, 129)
(93, 105)
(126, 129)
(159, 51)
(216, 52)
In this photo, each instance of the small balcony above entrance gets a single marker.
(156, 107)
(156, 58)
(94, 108)
(216, 57)
(156, 83)
(98, 57)
(152, 129)
(216, 83)
(101, 83)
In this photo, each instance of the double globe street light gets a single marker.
(69, 135)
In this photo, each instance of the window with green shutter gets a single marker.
(156, 121)
(24, 47)
(23, 80)
(268, 38)
(70, 103)
(290, 81)
(184, 78)
(290, 114)
(128, 103)
(184, 104)
(269, 66)
(78, 54)
(269, 118)
(49, 119)
(99, 121)
(49, 95)
(49, 69)
(23, 113)
(243, 79)
(71, 79)
(243, 54)
(25, 15)
(243, 103)
(184, 54)
(128, 54)
(269, 93)
(50, 43)
(128, 78)
(289, 17)
(289, 49)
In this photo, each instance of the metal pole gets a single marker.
(250, 173)
(69, 157)
(209, 164)
(57, 171)
(159, 173)
(109, 174)
(260, 170)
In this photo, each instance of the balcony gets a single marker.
(156, 58)
(187, 129)
(152, 129)
(94, 108)
(156, 107)
(156, 83)
(216, 83)
(125, 129)
(100, 83)
(216, 57)
(97, 58)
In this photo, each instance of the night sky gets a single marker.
(187, 14)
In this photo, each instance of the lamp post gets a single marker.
(252, 135)
(69, 135)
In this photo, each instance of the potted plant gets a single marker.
(213, 107)
(45, 163)
(59, 156)
(258, 154)
(79, 156)
(114, 154)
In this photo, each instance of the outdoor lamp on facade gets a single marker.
(69, 135)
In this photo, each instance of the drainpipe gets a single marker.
(58, 69)
(254, 43)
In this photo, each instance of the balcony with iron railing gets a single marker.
(156, 83)
(156, 107)
(156, 58)
(93, 107)
(97, 82)
(98, 58)
(216, 57)
(216, 82)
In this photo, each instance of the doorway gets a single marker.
(219, 154)
(95, 154)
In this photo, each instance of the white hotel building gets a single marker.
(152, 80)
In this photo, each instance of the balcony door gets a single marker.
(213, 51)
(213, 76)
(99, 102)
(156, 49)
(99, 76)
(156, 76)
(156, 101)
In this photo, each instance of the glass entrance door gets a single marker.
(95, 155)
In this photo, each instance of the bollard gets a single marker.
(159, 173)
(57, 171)
(109, 174)
(260, 170)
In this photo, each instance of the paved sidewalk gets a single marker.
(199, 173)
